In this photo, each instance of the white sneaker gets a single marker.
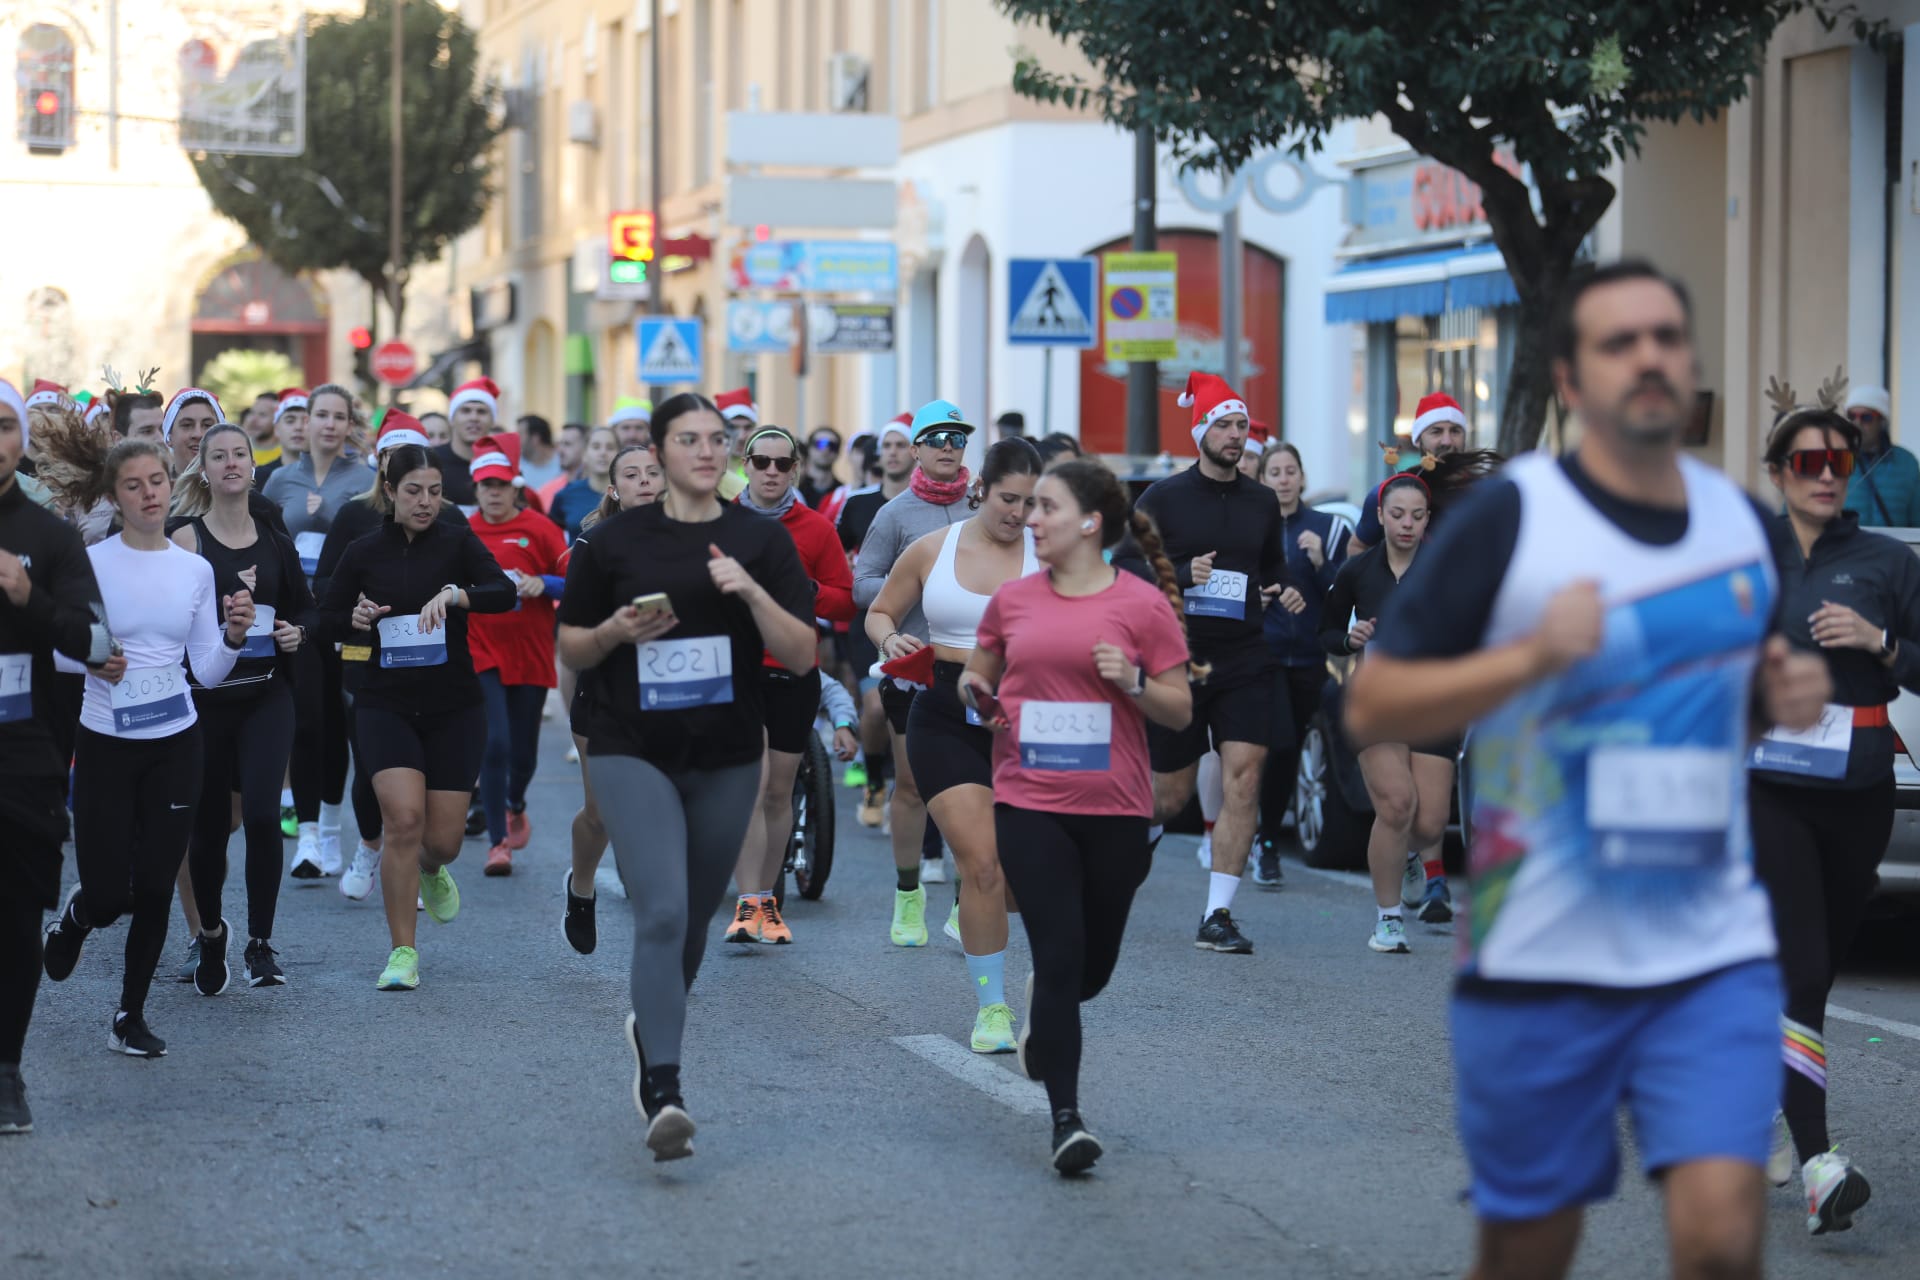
(1204, 851)
(1835, 1192)
(1413, 884)
(357, 883)
(1389, 936)
(953, 924)
(933, 871)
(1780, 1153)
(306, 858)
(331, 863)
(573, 755)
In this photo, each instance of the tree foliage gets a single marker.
(329, 208)
(1565, 91)
(238, 374)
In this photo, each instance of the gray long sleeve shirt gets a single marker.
(904, 519)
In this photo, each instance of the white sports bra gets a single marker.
(953, 612)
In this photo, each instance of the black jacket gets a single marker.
(1238, 520)
(63, 612)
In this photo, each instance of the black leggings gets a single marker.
(366, 805)
(1074, 876)
(247, 744)
(320, 731)
(133, 803)
(1296, 697)
(19, 973)
(1818, 853)
(33, 824)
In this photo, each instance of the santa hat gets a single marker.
(1434, 410)
(480, 391)
(631, 410)
(97, 408)
(399, 427)
(1211, 399)
(737, 403)
(181, 399)
(1259, 435)
(290, 399)
(10, 398)
(901, 424)
(44, 392)
(497, 458)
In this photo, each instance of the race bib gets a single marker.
(259, 641)
(1818, 752)
(308, 544)
(403, 645)
(677, 675)
(1222, 595)
(16, 687)
(1660, 807)
(1066, 735)
(150, 698)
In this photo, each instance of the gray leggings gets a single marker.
(676, 837)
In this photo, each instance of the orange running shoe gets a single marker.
(746, 921)
(519, 830)
(500, 860)
(773, 930)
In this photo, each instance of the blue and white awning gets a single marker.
(1419, 284)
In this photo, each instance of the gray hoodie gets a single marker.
(905, 518)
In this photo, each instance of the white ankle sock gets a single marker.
(329, 819)
(1220, 891)
(1391, 913)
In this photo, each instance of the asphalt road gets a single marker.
(1284, 1114)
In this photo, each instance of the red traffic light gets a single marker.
(46, 103)
(360, 338)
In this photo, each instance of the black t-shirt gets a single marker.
(456, 479)
(857, 513)
(277, 583)
(686, 714)
(1362, 588)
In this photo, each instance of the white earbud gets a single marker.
(1086, 526)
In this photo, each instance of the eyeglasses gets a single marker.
(761, 462)
(827, 444)
(1811, 462)
(944, 439)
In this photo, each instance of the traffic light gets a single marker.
(362, 339)
(47, 126)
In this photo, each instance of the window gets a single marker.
(43, 70)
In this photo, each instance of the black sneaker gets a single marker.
(192, 965)
(1266, 867)
(131, 1036)
(1074, 1149)
(578, 924)
(14, 1116)
(476, 821)
(262, 971)
(1219, 933)
(656, 1095)
(64, 938)
(211, 978)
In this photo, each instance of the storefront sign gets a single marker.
(849, 329)
(1408, 202)
(818, 266)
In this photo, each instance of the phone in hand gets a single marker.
(989, 707)
(657, 603)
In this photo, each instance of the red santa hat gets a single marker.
(480, 391)
(10, 398)
(900, 425)
(1211, 399)
(1259, 436)
(97, 408)
(737, 403)
(290, 399)
(1436, 409)
(181, 399)
(497, 458)
(398, 428)
(43, 392)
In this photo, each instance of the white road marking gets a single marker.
(1004, 1087)
(1906, 1029)
(1354, 878)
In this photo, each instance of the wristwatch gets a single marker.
(1886, 649)
(1139, 681)
(453, 587)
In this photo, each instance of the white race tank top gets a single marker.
(953, 612)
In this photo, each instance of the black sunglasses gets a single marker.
(827, 443)
(944, 439)
(761, 462)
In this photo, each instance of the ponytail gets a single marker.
(1148, 536)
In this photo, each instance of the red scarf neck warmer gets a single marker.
(927, 489)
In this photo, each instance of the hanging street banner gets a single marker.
(818, 266)
(1138, 306)
(850, 328)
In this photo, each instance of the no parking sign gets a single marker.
(1140, 306)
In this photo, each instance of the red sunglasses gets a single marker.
(1811, 462)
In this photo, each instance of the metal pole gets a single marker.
(656, 305)
(1046, 395)
(1143, 377)
(396, 264)
(1232, 288)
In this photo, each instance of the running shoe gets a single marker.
(1266, 867)
(573, 755)
(64, 937)
(357, 883)
(578, 924)
(130, 1035)
(439, 895)
(1835, 1192)
(306, 857)
(211, 978)
(1204, 852)
(402, 972)
(330, 860)
(669, 1128)
(476, 821)
(1436, 906)
(1389, 936)
(773, 930)
(1074, 1149)
(1024, 1045)
(953, 924)
(744, 928)
(855, 777)
(1219, 933)
(933, 871)
(1413, 883)
(519, 830)
(14, 1116)
(289, 821)
(993, 1030)
(909, 918)
(262, 969)
(192, 966)
(1780, 1152)
(873, 805)
(500, 860)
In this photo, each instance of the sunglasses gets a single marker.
(1811, 462)
(1863, 415)
(944, 439)
(761, 462)
(827, 444)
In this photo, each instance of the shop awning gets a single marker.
(1418, 284)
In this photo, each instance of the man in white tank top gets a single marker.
(1606, 629)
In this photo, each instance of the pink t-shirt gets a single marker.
(1078, 742)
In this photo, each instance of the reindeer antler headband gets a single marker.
(1831, 396)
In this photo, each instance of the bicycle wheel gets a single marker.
(811, 849)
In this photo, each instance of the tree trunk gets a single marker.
(1529, 389)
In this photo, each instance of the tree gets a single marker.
(1565, 91)
(238, 374)
(329, 208)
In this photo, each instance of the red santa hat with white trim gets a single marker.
(1259, 436)
(290, 399)
(1211, 400)
(497, 458)
(398, 428)
(737, 403)
(480, 391)
(1435, 410)
(98, 408)
(44, 392)
(181, 399)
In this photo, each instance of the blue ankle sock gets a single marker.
(989, 974)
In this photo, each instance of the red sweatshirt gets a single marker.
(819, 545)
(519, 644)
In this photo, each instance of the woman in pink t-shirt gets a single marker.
(1071, 664)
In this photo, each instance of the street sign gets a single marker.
(819, 266)
(758, 327)
(850, 328)
(1138, 306)
(394, 363)
(1050, 302)
(669, 349)
(630, 236)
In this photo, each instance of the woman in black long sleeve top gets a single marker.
(404, 590)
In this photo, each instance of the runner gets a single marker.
(418, 720)
(632, 420)
(1439, 429)
(571, 505)
(138, 757)
(675, 725)
(1601, 619)
(949, 576)
(473, 411)
(189, 416)
(513, 651)
(742, 415)
(823, 455)
(436, 428)
(570, 450)
(246, 720)
(540, 460)
(1222, 533)
(1081, 656)
(51, 604)
(939, 480)
(888, 467)
(792, 700)
(1255, 450)
(1822, 802)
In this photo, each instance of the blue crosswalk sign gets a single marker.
(1050, 302)
(669, 349)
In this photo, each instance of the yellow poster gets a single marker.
(1139, 306)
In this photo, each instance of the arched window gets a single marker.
(43, 74)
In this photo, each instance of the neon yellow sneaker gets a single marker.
(909, 918)
(402, 972)
(439, 895)
(993, 1030)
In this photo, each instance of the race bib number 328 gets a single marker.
(403, 644)
(680, 674)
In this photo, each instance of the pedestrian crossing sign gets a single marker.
(1051, 302)
(669, 349)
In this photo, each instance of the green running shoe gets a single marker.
(909, 918)
(993, 1030)
(855, 777)
(289, 822)
(402, 972)
(439, 895)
